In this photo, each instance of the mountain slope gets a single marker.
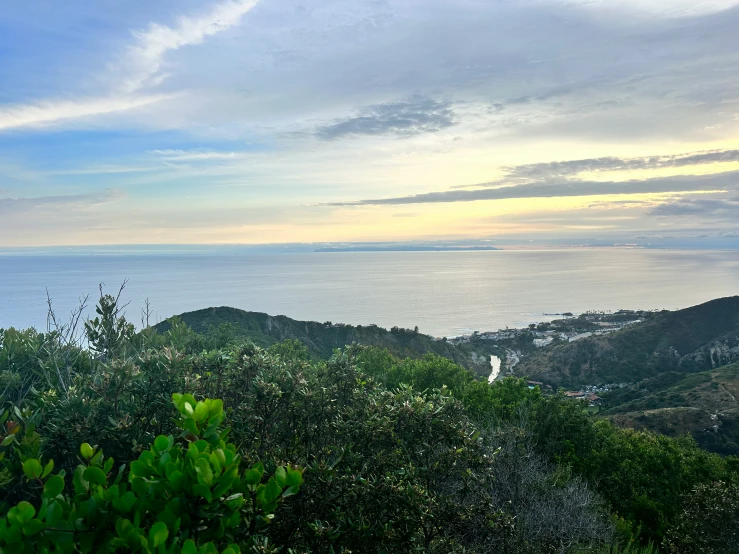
(322, 338)
(694, 339)
(703, 404)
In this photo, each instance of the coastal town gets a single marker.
(568, 329)
(510, 345)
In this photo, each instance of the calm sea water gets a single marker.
(444, 293)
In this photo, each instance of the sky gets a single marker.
(284, 121)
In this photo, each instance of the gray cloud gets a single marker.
(16, 206)
(714, 208)
(573, 167)
(398, 119)
(682, 183)
(570, 168)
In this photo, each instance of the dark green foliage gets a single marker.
(321, 339)
(181, 496)
(707, 522)
(109, 334)
(412, 454)
(642, 475)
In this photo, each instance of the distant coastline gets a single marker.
(405, 248)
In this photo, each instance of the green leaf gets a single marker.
(97, 458)
(161, 443)
(111, 493)
(189, 547)
(7, 440)
(32, 468)
(290, 491)
(139, 485)
(294, 477)
(33, 526)
(78, 480)
(47, 469)
(223, 485)
(139, 469)
(281, 476)
(266, 494)
(253, 476)
(54, 486)
(201, 412)
(202, 491)
(25, 512)
(215, 408)
(108, 465)
(94, 475)
(176, 479)
(54, 513)
(125, 502)
(158, 534)
(204, 472)
(86, 451)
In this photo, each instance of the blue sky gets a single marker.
(268, 121)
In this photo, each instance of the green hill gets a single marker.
(703, 404)
(322, 338)
(694, 339)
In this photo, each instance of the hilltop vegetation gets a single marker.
(322, 339)
(361, 452)
(703, 404)
(691, 340)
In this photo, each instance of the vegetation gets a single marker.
(321, 339)
(694, 339)
(363, 451)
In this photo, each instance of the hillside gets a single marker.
(322, 338)
(703, 404)
(694, 339)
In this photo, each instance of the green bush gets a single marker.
(186, 495)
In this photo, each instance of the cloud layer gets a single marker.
(325, 119)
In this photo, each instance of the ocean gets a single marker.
(443, 293)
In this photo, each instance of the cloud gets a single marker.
(45, 113)
(714, 208)
(573, 167)
(195, 155)
(682, 183)
(142, 66)
(17, 206)
(146, 57)
(399, 119)
(570, 168)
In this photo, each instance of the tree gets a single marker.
(109, 333)
(708, 521)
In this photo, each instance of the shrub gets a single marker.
(185, 495)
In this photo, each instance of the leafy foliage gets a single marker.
(180, 496)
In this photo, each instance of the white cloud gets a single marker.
(146, 57)
(45, 113)
(141, 68)
(670, 8)
(195, 155)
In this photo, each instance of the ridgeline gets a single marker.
(322, 339)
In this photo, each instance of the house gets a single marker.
(575, 394)
(594, 399)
